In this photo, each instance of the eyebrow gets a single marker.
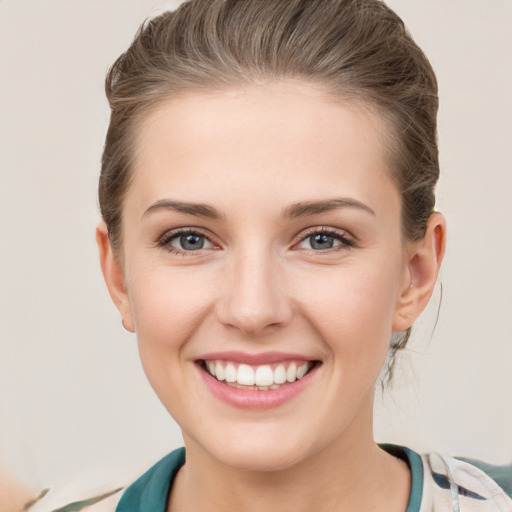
(196, 209)
(307, 208)
(300, 209)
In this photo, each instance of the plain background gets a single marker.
(74, 402)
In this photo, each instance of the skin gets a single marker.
(259, 285)
(13, 496)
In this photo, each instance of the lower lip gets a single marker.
(254, 399)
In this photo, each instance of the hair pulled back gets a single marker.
(357, 49)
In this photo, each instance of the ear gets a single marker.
(424, 259)
(113, 273)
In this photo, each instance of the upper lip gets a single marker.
(254, 359)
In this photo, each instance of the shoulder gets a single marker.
(502, 475)
(441, 482)
(148, 493)
(477, 485)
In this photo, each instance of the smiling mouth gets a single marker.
(257, 377)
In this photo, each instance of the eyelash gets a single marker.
(345, 241)
(166, 240)
(168, 237)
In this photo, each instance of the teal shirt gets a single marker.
(150, 492)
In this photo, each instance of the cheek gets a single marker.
(352, 309)
(167, 307)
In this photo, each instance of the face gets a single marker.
(263, 269)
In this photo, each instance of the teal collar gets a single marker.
(413, 460)
(149, 493)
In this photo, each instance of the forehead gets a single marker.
(245, 139)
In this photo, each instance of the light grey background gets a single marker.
(74, 402)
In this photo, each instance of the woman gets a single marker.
(267, 194)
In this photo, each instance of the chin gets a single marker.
(263, 452)
(260, 458)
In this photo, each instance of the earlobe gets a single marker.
(113, 274)
(423, 263)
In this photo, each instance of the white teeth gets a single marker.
(280, 375)
(264, 376)
(231, 373)
(291, 373)
(302, 370)
(219, 371)
(245, 375)
(256, 377)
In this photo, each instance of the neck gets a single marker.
(351, 473)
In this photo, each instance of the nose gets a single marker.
(254, 300)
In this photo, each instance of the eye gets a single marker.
(324, 240)
(185, 241)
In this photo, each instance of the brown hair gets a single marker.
(357, 49)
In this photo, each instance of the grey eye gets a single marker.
(321, 241)
(189, 242)
(324, 241)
